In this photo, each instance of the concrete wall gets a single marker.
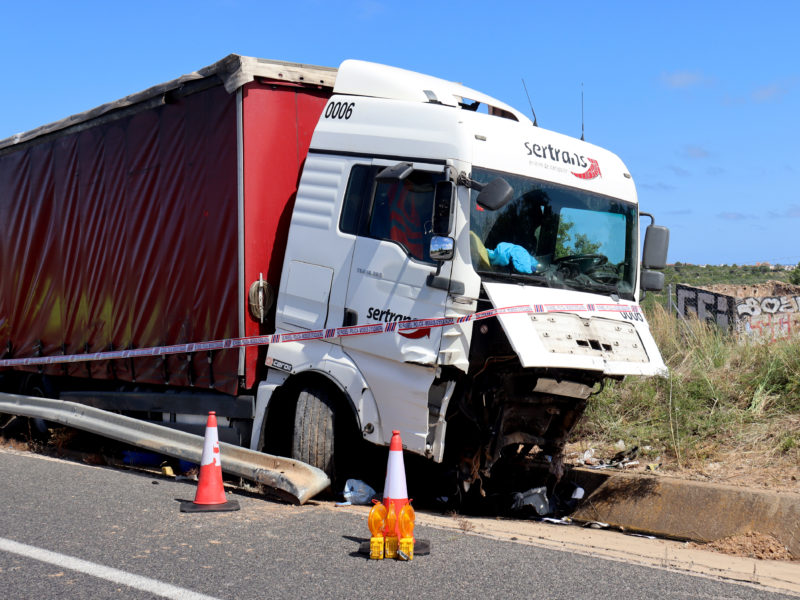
(761, 317)
(768, 317)
(707, 305)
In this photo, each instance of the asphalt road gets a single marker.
(69, 530)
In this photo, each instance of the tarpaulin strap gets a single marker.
(317, 334)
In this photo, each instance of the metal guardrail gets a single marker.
(292, 480)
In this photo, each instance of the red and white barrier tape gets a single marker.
(317, 334)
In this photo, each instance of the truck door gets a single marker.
(389, 283)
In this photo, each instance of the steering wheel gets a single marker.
(575, 264)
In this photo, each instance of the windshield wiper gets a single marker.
(589, 285)
(534, 278)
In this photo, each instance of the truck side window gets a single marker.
(400, 212)
(356, 198)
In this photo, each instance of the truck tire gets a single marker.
(313, 439)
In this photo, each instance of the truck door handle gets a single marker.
(350, 317)
(456, 288)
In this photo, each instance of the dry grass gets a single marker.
(725, 401)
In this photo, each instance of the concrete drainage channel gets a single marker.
(686, 510)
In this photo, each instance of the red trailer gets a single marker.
(146, 221)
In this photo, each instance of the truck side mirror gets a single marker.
(656, 243)
(495, 194)
(652, 281)
(442, 206)
(654, 255)
(442, 248)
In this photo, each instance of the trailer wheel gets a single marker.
(313, 439)
(39, 387)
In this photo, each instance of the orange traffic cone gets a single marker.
(394, 490)
(210, 496)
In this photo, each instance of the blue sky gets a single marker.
(700, 99)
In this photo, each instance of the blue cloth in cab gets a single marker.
(519, 258)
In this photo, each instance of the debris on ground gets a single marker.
(534, 498)
(561, 521)
(624, 459)
(751, 545)
(141, 458)
(356, 492)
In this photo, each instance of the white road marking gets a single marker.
(145, 584)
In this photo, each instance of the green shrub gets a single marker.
(720, 391)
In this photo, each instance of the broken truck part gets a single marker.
(258, 196)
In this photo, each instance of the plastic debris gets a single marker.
(357, 492)
(186, 467)
(141, 459)
(622, 460)
(535, 498)
(626, 455)
(554, 521)
(620, 445)
(588, 458)
(596, 525)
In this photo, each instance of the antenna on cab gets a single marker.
(582, 138)
(535, 124)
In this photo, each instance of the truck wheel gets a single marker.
(313, 437)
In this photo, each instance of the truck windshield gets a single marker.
(555, 236)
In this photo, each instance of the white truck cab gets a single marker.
(423, 199)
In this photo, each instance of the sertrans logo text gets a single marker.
(549, 152)
(388, 316)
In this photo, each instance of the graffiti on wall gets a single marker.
(707, 306)
(766, 317)
(768, 305)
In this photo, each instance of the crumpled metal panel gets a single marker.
(125, 234)
(607, 338)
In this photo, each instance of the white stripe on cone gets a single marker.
(395, 493)
(210, 448)
(395, 485)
